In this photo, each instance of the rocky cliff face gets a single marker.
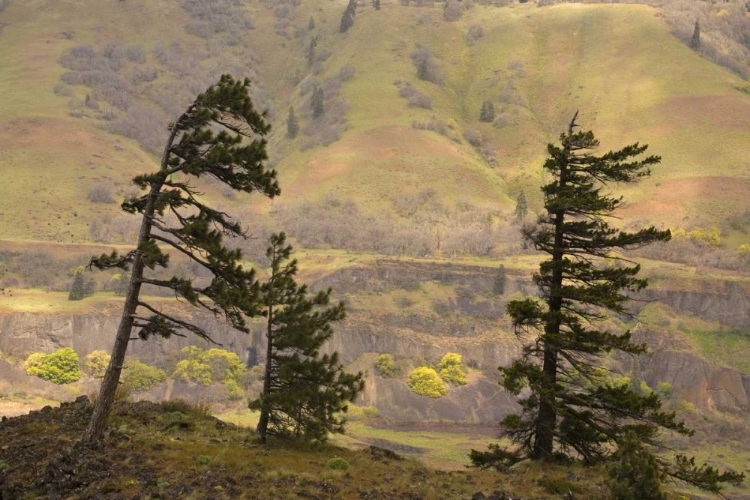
(472, 323)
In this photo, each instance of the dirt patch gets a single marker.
(674, 197)
(726, 112)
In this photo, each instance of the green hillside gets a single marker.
(617, 64)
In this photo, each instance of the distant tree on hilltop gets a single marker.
(292, 125)
(695, 41)
(487, 113)
(347, 18)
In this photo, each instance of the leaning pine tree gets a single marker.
(573, 407)
(220, 136)
(304, 393)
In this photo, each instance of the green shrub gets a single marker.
(96, 363)
(213, 365)
(386, 365)
(203, 459)
(337, 463)
(142, 377)
(558, 485)
(60, 367)
(452, 369)
(426, 382)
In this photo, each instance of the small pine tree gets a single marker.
(304, 394)
(311, 24)
(292, 125)
(317, 103)
(347, 18)
(498, 287)
(78, 287)
(487, 113)
(522, 208)
(376, 4)
(695, 41)
(311, 51)
(635, 474)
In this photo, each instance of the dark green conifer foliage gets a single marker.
(695, 41)
(292, 125)
(634, 473)
(522, 208)
(317, 103)
(574, 408)
(311, 24)
(376, 4)
(78, 287)
(311, 51)
(304, 392)
(220, 135)
(347, 18)
(487, 113)
(498, 287)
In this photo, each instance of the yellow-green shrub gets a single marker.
(426, 382)
(386, 365)
(452, 369)
(142, 377)
(213, 365)
(60, 367)
(96, 363)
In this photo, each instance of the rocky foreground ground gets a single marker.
(172, 450)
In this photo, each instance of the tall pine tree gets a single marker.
(220, 135)
(304, 392)
(574, 408)
(695, 40)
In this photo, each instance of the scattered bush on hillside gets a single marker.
(219, 16)
(427, 66)
(142, 377)
(213, 365)
(473, 137)
(100, 193)
(4, 4)
(386, 365)
(347, 72)
(96, 363)
(452, 369)
(454, 9)
(435, 125)
(60, 367)
(425, 381)
(475, 33)
(414, 97)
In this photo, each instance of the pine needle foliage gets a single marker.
(220, 136)
(305, 393)
(572, 409)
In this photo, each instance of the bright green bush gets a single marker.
(426, 382)
(213, 365)
(60, 367)
(96, 363)
(452, 369)
(337, 463)
(142, 377)
(386, 365)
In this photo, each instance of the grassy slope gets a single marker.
(618, 64)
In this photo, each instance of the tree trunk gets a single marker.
(547, 417)
(265, 410)
(106, 397)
